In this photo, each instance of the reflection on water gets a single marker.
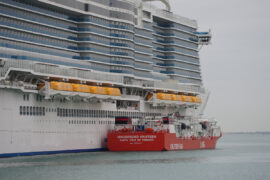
(238, 156)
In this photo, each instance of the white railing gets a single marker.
(179, 87)
(170, 16)
(46, 69)
(70, 73)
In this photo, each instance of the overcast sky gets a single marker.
(236, 67)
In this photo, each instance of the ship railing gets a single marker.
(129, 130)
(208, 119)
(166, 86)
(174, 86)
(170, 16)
(53, 70)
(60, 71)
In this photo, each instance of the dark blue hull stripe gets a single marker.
(50, 152)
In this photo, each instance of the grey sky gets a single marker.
(236, 67)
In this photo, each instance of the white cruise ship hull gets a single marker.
(34, 134)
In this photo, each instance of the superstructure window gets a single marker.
(24, 110)
(21, 110)
(94, 113)
(32, 110)
(26, 97)
(72, 113)
(86, 7)
(84, 113)
(40, 111)
(27, 110)
(65, 113)
(75, 112)
(37, 111)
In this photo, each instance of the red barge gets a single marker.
(165, 135)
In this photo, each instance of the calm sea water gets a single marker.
(238, 156)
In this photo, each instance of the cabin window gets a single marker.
(24, 110)
(31, 110)
(21, 110)
(40, 111)
(69, 112)
(85, 113)
(34, 111)
(81, 113)
(27, 110)
(61, 112)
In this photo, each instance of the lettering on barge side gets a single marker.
(202, 144)
(136, 139)
(176, 146)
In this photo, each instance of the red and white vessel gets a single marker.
(159, 134)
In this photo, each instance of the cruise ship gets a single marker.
(69, 67)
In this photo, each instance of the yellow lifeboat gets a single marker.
(187, 98)
(178, 98)
(61, 86)
(66, 87)
(54, 85)
(164, 96)
(98, 90)
(173, 97)
(193, 98)
(113, 91)
(198, 100)
(81, 88)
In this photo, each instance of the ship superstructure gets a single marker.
(69, 67)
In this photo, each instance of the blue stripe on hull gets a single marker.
(49, 152)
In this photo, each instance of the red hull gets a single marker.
(156, 141)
